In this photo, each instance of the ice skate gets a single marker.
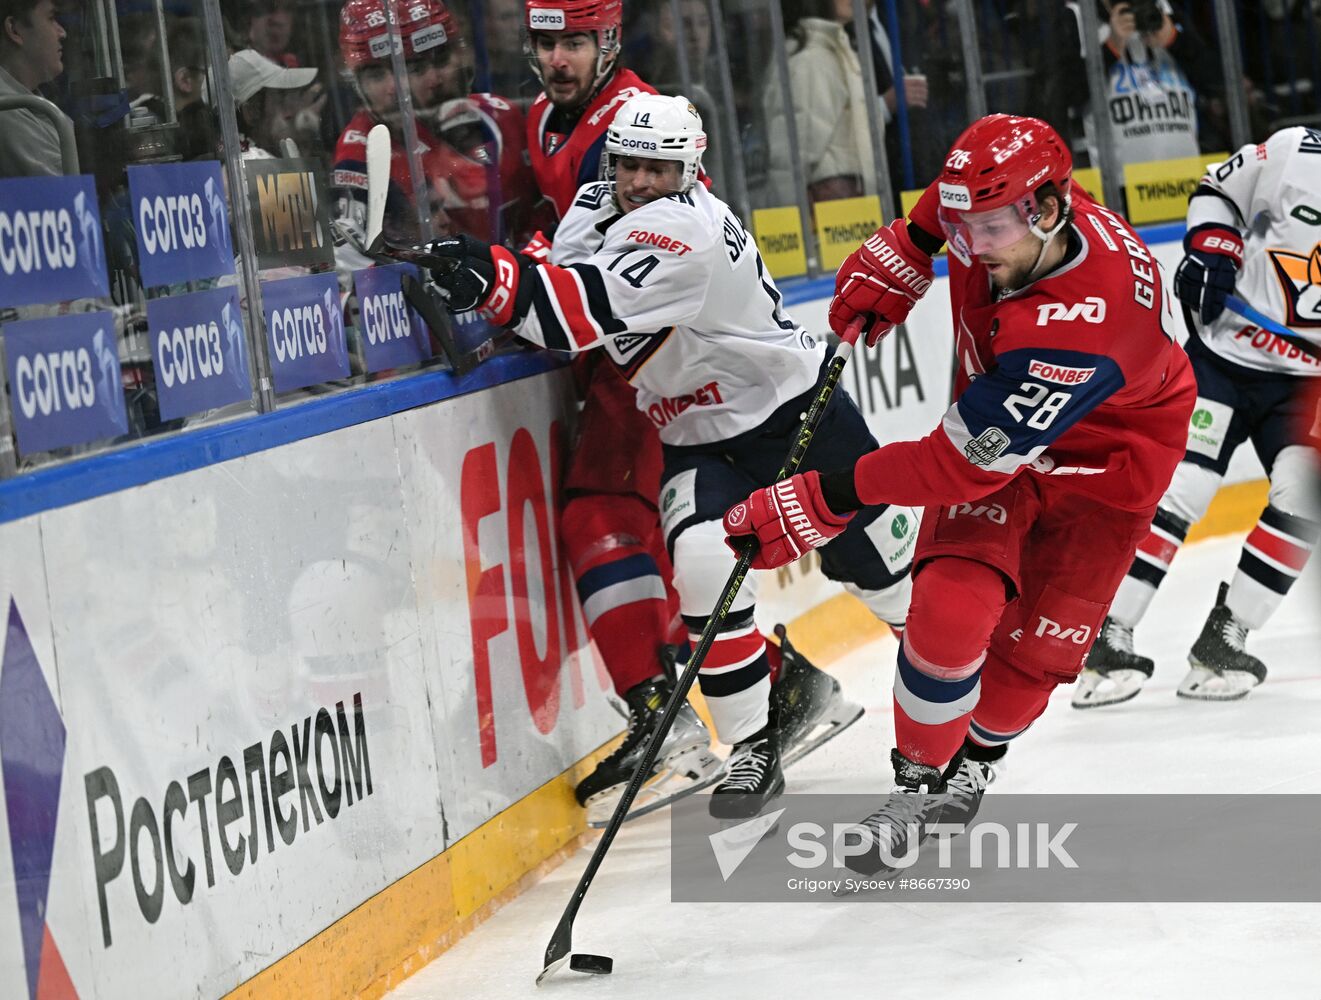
(1220, 669)
(1114, 672)
(900, 825)
(813, 709)
(684, 763)
(967, 785)
(752, 776)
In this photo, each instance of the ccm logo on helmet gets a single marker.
(546, 20)
(1089, 310)
(955, 196)
(1062, 374)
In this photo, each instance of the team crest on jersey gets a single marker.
(630, 351)
(1299, 276)
(987, 446)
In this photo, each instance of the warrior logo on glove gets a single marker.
(786, 519)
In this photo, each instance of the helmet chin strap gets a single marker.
(1046, 239)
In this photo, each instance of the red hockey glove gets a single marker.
(786, 519)
(882, 279)
(1213, 255)
(538, 248)
(486, 278)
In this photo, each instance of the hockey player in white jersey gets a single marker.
(652, 268)
(1254, 230)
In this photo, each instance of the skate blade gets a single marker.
(841, 714)
(680, 776)
(1096, 690)
(1204, 684)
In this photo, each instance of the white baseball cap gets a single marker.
(250, 72)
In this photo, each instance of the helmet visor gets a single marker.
(974, 233)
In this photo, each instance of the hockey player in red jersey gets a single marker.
(573, 47)
(475, 177)
(611, 523)
(1071, 407)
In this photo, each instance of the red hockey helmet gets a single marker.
(601, 17)
(990, 179)
(364, 30)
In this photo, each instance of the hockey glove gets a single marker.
(882, 279)
(484, 277)
(786, 519)
(1213, 255)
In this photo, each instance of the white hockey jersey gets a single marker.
(1271, 193)
(677, 294)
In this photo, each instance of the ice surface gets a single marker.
(1269, 742)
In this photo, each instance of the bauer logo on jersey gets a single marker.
(987, 446)
(545, 20)
(1299, 276)
(1061, 374)
(955, 196)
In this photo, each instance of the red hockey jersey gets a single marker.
(564, 162)
(1075, 379)
(477, 176)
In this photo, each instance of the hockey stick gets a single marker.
(1234, 304)
(378, 180)
(433, 313)
(559, 950)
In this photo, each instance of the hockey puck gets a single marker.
(596, 965)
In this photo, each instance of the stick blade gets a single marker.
(378, 180)
(595, 965)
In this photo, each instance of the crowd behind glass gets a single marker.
(805, 101)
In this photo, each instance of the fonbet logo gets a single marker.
(546, 20)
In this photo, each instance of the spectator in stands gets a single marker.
(31, 54)
(198, 127)
(1155, 67)
(269, 97)
(268, 27)
(829, 106)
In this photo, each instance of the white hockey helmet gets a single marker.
(656, 127)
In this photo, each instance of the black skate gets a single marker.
(1220, 668)
(812, 708)
(683, 764)
(900, 825)
(752, 776)
(967, 785)
(1114, 673)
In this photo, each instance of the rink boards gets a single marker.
(289, 722)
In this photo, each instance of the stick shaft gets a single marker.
(560, 942)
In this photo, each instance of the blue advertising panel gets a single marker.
(64, 380)
(180, 222)
(199, 351)
(305, 330)
(51, 247)
(393, 334)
